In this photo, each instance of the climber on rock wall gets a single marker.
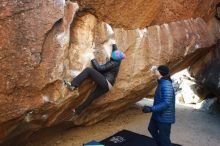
(104, 76)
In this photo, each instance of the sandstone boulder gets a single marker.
(206, 70)
(141, 13)
(178, 44)
(32, 36)
(44, 42)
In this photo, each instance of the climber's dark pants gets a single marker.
(100, 80)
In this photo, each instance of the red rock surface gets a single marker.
(44, 42)
(34, 38)
(206, 70)
(141, 13)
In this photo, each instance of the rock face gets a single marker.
(209, 77)
(44, 42)
(141, 13)
(173, 10)
(32, 36)
(22, 41)
(186, 90)
(182, 41)
(206, 70)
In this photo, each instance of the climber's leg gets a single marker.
(90, 72)
(94, 95)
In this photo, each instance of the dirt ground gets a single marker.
(192, 128)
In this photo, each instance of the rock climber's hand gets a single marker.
(112, 41)
(91, 56)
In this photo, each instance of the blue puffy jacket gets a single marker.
(164, 102)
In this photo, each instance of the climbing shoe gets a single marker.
(68, 85)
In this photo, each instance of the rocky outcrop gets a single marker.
(208, 74)
(44, 42)
(182, 41)
(173, 10)
(206, 70)
(33, 45)
(141, 13)
(23, 29)
(188, 94)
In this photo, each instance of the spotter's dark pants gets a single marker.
(160, 132)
